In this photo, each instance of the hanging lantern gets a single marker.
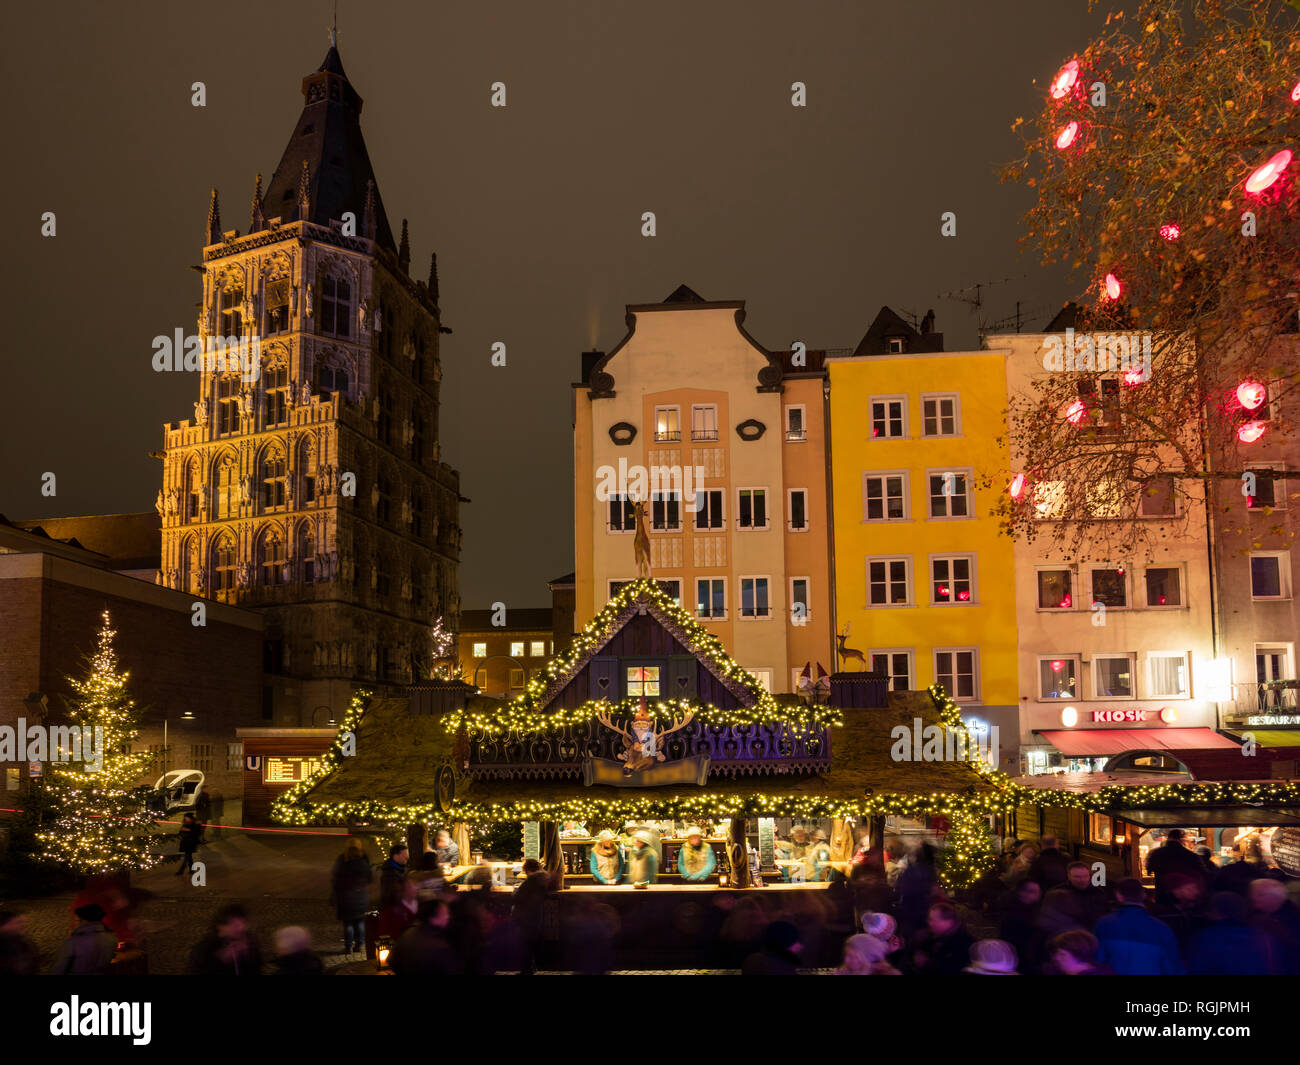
(1295, 93)
(1066, 137)
(1135, 376)
(1065, 79)
(1251, 431)
(1017, 488)
(1076, 412)
(1251, 394)
(1171, 231)
(1265, 175)
(1113, 286)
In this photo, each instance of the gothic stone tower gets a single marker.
(315, 493)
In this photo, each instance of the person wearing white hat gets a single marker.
(643, 862)
(992, 957)
(696, 860)
(865, 955)
(608, 862)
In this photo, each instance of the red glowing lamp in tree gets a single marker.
(1177, 210)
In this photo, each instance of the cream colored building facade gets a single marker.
(688, 389)
(1144, 662)
(311, 487)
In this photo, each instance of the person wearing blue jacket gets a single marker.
(696, 860)
(1134, 943)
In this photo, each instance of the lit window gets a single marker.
(795, 429)
(516, 648)
(1057, 678)
(1055, 590)
(480, 650)
(884, 496)
(1168, 673)
(642, 680)
(704, 423)
(668, 425)
(1113, 676)
(952, 579)
(537, 648)
(1163, 586)
(1049, 500)
(1110, 587)
(888, 417)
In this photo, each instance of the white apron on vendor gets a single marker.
(608, 861)
(696, 860)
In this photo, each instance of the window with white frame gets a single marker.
(1167, 674)
(479, 650)
(1265, 485)
(671, 587)
(763, 676)
(516, 648)
(796, 425)
(622, 515)
(1110, 588)
(704, 422)
(1270, 575)
(642, 680)
(889, 581)
(711, 597)
(536, 648)
(1058, 677)
(884, 496)
(666, 511)
(1055, 589)
(956, 669)
(752, 509)
(949, 492)
(1158, 499)
(1164, 586)
(754, 602)
(798, 510)
(939, 416)
(952, 579)
(896, 664)
(888, 417)
(800, 599)
(708, 512)
(668, 424)
(1112, 677)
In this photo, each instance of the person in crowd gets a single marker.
(1077, 904)
(942, 947)
(1021, 863)
(423, 949)
(230, 948)
(1132, 942)
(1246, 866)
(397, 918)
(817, 859)
(992, 957)
(1230, 946)
(18, 954)
(589, 928)
(643, 861)
(89, 950)
(1274, 914)
(865, 955)
(883, 927)
(530, 902)
(293, 953)
(1020, 924)
(1208, 865)
(916, 887)
(203, 812)
(350, 889)
(868, 886)
(446, 848)
(695, 859)
(1049, 866)
(1187, 911)
(1172, 856)
(779, 955)
(894, 859)
(190, 838)
(1074, 953)
(392, 874)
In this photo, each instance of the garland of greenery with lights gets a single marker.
(967, 854)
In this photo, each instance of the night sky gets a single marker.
(815, 216)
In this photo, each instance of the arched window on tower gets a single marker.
(227, 404)
(273, 476)
(305, 549)
(184, 564)
(275, 395)
(225, 488)
(331, 378)
(270, 558)
(306, 472)
(191, 489)
(334, 317)
(230, 313)
(224, 559)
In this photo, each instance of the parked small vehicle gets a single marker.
(177, 790)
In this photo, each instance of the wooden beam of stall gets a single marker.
(417, 842)
(552, 852)
(737, 857)
(460, 836)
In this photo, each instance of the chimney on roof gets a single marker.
(927, 323)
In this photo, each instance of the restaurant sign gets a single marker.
(278, 769)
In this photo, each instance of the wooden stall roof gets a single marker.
(398, 756)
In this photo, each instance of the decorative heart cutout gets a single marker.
(602, 682)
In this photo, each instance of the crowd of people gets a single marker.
(1037, 912)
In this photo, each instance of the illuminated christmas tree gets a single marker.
(97, 825)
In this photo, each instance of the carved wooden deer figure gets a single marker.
(641, 543)
(847, 653)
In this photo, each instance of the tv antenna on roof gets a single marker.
(1017, 319)
(974, 295)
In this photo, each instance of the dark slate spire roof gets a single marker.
(684, 294)
(328, 139)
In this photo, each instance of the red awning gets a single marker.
(1096, 742)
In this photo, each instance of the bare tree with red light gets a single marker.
(1162, 160)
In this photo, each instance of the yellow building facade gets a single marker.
(924, 579)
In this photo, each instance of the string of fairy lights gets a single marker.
(968, 850)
